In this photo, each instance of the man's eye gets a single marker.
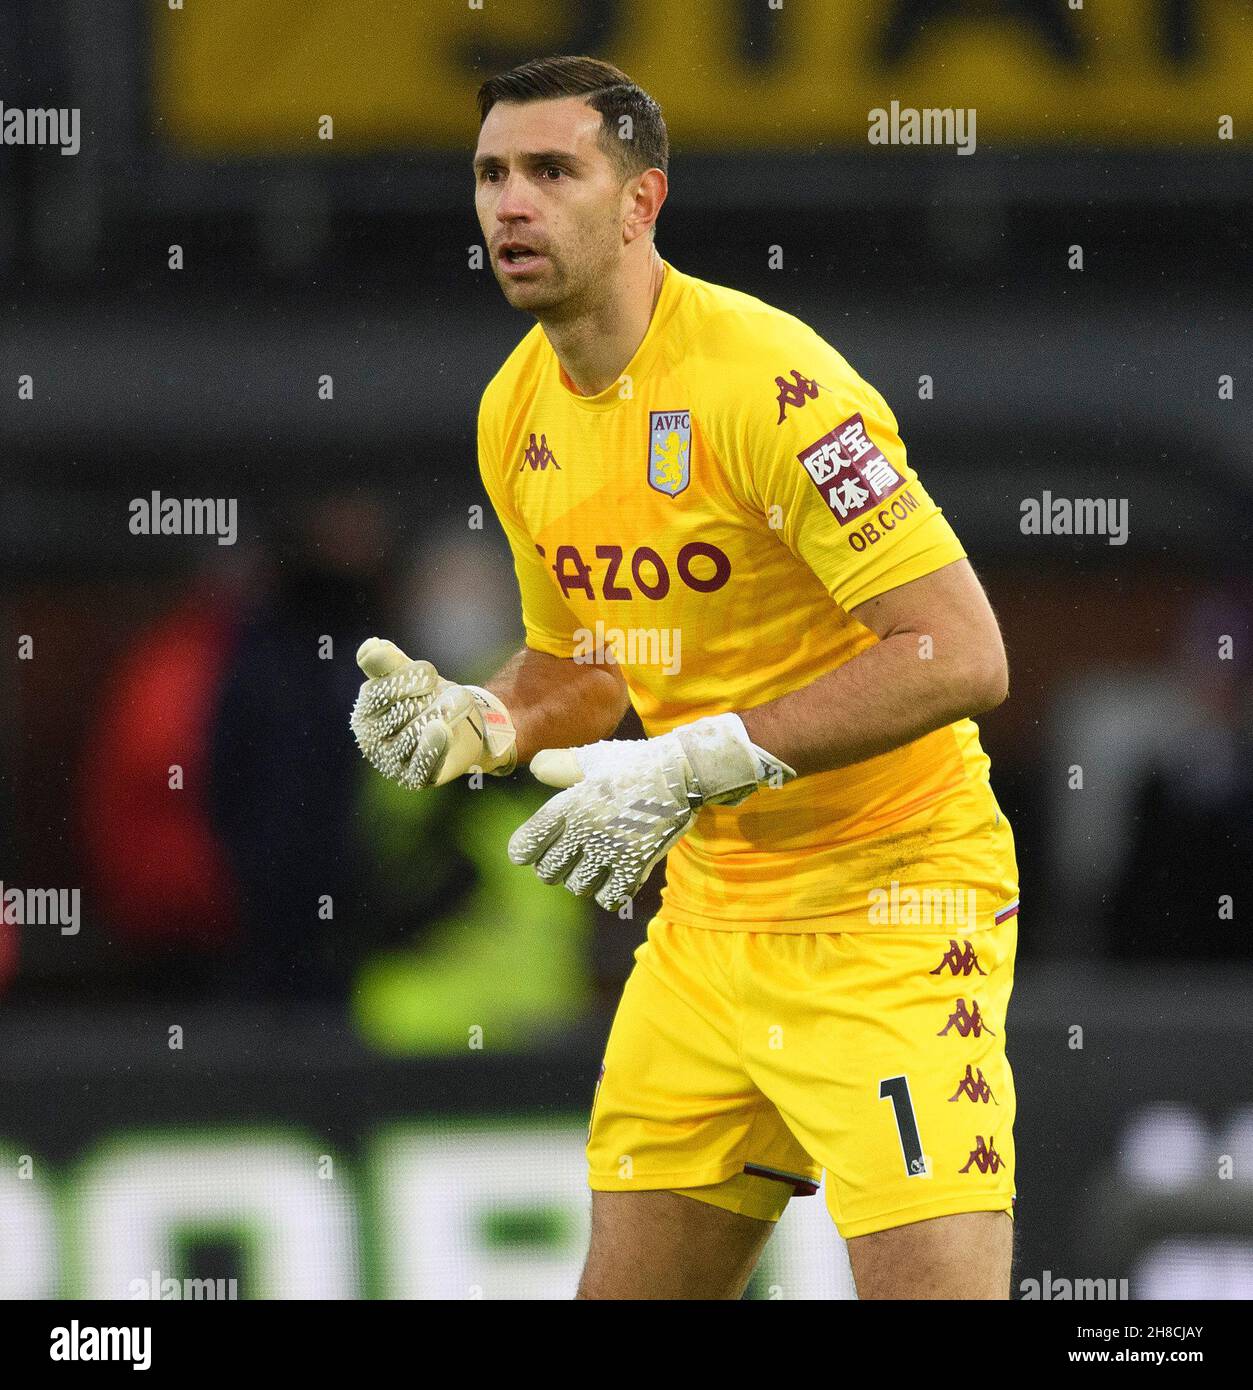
(553, 169)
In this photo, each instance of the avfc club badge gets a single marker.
(669, 450)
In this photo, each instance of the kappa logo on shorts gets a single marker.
(849, 470)
(984, 1156)
(961, 960)
(968, 1022)
(975, 1087)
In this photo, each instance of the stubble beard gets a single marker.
(571, 290)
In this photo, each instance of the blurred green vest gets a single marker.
(500, 959)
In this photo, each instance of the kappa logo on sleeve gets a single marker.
(795, 392)
(849, 470)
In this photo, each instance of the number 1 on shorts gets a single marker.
(896, 1089)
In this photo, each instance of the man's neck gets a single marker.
(594, 348)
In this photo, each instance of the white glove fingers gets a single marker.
(628, 805)
(558, 767)
(412, 758)
(393, 746)
(420, 730)
(610, 897)
(373, 702)
(429, 753)
(379, 727)
(452, 704)
(589, 878)
(556, 863)
(417, 681)
(400, 747)
(623, 883)
(378, 657)
(533, 837)
(630, 876)
(392, 759)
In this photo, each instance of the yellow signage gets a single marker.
(257, 76)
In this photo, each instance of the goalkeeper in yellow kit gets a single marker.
(696, 484)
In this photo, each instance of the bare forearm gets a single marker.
(557, 703)
(887, 696)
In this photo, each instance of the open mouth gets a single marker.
(518, 255)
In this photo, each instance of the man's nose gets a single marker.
(512, 202)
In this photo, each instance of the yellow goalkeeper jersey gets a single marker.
(712, 518)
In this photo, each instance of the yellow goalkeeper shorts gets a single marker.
(741, 1065)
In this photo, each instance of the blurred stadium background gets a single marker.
(256, 1056)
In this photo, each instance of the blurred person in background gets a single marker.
(283, 786)
(1187, 876)
(481, 943)
(152, 859)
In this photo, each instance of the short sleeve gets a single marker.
(548, 621)
(824, 462)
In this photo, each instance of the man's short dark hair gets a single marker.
(637, 144)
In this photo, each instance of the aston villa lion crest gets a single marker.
(669, 450)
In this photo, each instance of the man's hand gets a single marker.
(628, 801)
(422, 731)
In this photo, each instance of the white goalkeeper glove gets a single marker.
(422, 731)
(629, 800)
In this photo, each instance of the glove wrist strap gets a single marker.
(727, 764)
(500, 741)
